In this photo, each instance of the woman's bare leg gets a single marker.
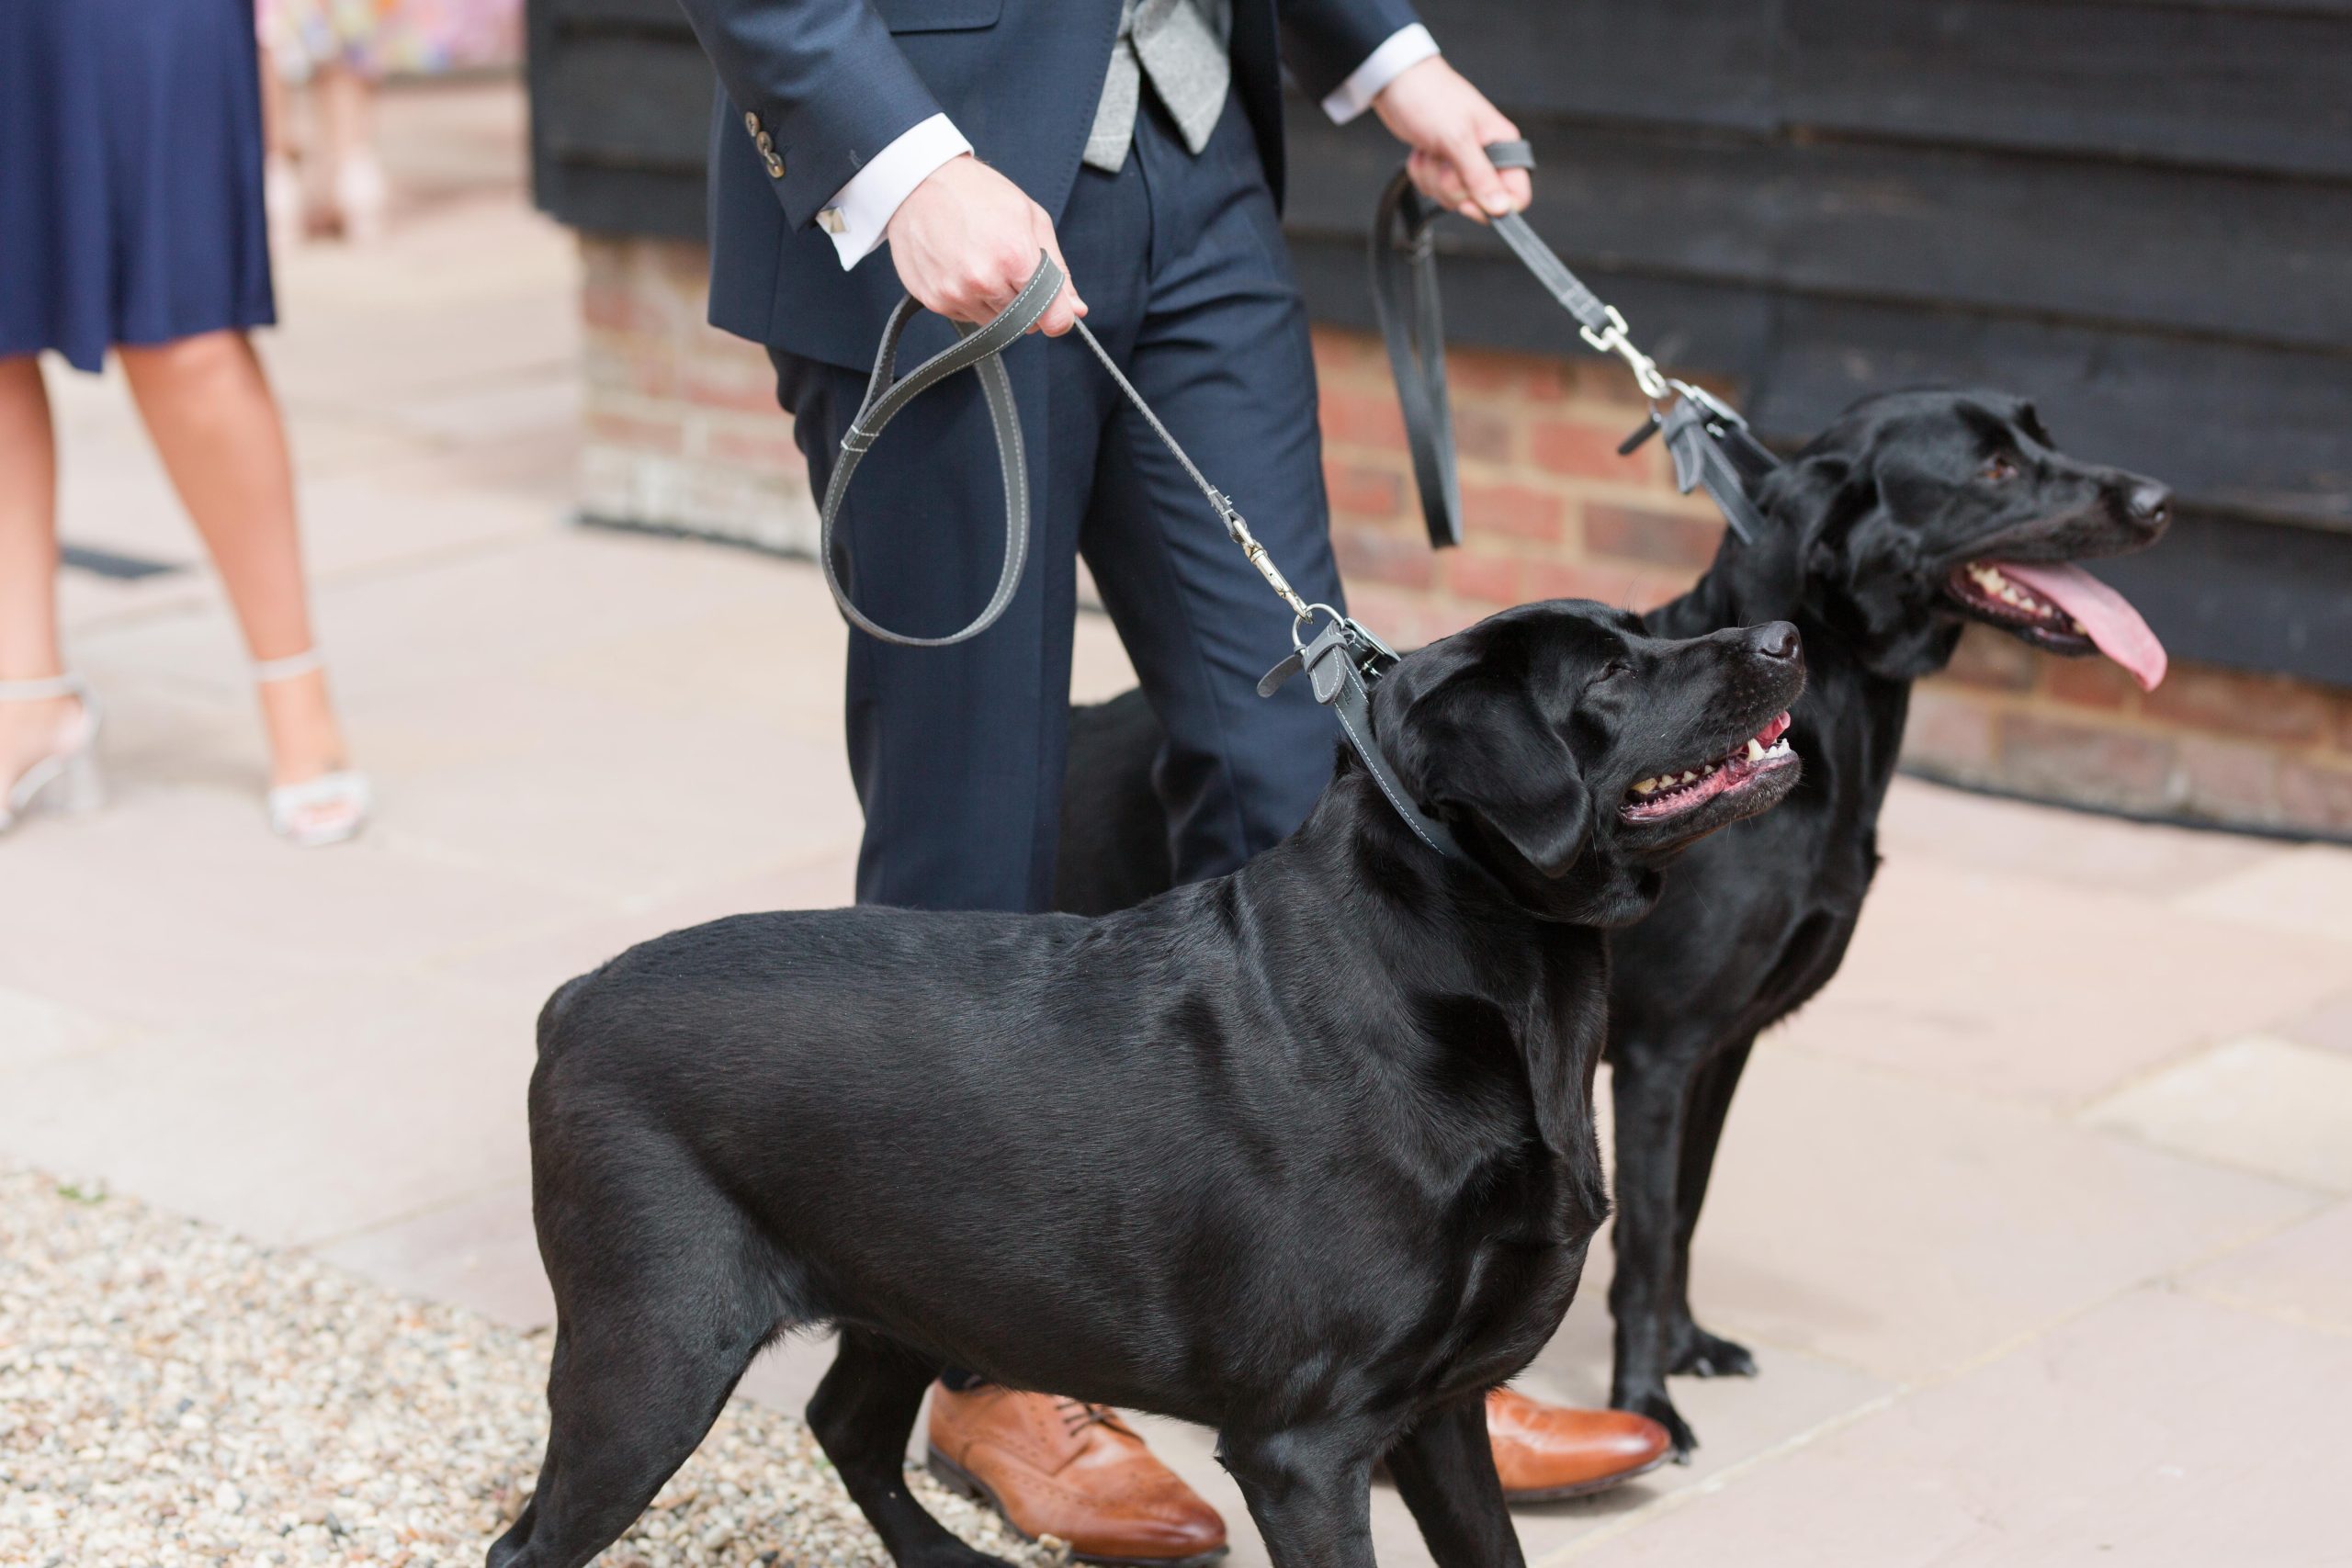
(282, 176)
(28, 644)
(209, 408)
(346, 101)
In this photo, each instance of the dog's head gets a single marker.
(1918, 509)
(1573, 754)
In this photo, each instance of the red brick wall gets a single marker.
(683, 431)
(682, 426)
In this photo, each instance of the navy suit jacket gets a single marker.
(833, 81)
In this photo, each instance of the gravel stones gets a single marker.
(170, 1396)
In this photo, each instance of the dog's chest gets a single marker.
(1521, 1292)
(1515, 1270)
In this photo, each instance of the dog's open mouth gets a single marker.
(1680, 791)
(2061, 607)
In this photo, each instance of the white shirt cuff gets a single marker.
(861, 210)
(1406, 47)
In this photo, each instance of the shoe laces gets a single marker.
(1078, 1416)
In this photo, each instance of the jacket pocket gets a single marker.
(938, 16)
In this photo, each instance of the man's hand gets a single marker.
(966, 239)
(1447, 123)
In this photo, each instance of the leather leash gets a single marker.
(1710, 443)
(980, 350)
(1342, 661)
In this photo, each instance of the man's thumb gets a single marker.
(1479, 177)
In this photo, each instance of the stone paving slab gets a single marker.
(2002, 982)
(2304, 1273)
(1896, 1226)
(2256, 1102)
(2301, 891)
(2327, 1026)
(2156, 1430)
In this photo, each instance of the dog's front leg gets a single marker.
(1444, 1468)
(1310, 1489)
(1688, 1347)
(1651, 1088)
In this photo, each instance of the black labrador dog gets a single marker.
(1912, 514)
(1306, 1153)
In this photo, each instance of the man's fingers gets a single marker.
(1436, 179)
(1061, 314)
(1067, 307)
(1469, 158)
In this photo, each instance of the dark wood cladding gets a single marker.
(620, 111)
(2139, 211)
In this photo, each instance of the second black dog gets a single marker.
(1306, 1153)
(1913, 511)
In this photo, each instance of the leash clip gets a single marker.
(1613, 340)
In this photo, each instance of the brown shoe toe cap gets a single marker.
(1547, 1450)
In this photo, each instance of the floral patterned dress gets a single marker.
(379, 37)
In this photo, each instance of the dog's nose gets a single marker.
(2151, 504)
(1776, 639)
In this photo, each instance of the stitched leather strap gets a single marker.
(1412, 323)
(980, 350)
(1712, 446)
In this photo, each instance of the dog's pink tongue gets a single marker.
(2108, 616)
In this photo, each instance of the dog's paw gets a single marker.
(1706, 1355)
(1660, 1409)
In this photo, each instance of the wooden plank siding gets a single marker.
(2139, 211)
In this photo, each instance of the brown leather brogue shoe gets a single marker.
(1057, 1467)
(1546, 1452)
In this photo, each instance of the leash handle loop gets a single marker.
(980, 350)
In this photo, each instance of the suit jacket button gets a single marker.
(831, 221)
(765, 143)
(776, 167)
(751, 122)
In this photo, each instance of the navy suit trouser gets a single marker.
(958, 752)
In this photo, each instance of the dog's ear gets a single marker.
(1475, 748)
(1863, 571)
(1477, 753)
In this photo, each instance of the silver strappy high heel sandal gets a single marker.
(321, 811)
(67, 779)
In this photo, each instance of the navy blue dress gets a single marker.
(131, 188)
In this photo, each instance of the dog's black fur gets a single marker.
(1306, 1153)
(1868, 527)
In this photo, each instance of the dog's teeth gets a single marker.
(1689, 777)
(2080, 628)
(1755, 750)
(1646, 787)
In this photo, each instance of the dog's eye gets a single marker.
(2000, 469)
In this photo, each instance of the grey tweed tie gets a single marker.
(1178, 46)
